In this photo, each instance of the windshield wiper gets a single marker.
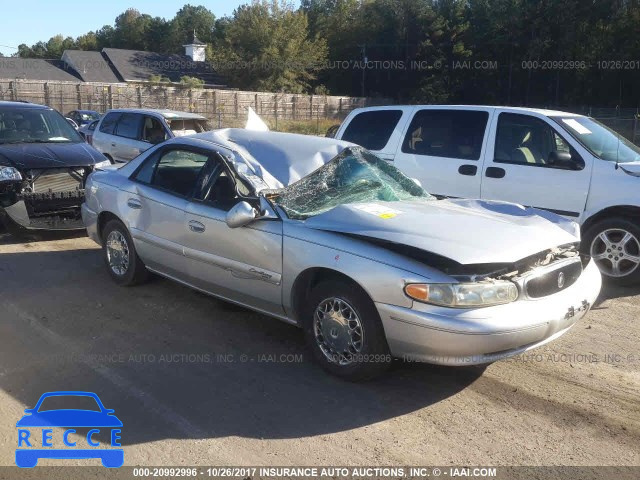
(40, 140)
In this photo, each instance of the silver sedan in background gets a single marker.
(324, 235)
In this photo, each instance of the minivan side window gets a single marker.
(372, 129)
(447, 133)
(108, 124)
(527, 140)
(129, 126)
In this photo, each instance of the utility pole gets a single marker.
(364, 67)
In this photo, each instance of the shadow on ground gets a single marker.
(226, 371)
(7, 238)
(611, 291)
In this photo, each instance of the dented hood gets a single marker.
(466, 231)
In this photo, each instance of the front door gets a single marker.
(532, 163)
(241, 264)
(128, 132)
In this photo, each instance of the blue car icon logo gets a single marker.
(36, 439)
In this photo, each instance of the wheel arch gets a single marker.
(307, 280)
(104, 218)
(609, 212)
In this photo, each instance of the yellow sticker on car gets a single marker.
(381, 211)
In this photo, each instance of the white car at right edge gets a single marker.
(565, 163)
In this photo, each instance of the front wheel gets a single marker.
(120, 256)
(344, 331)
(614, 244)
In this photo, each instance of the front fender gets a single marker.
(381, 274)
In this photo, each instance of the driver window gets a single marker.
(526, 140)
(153, 131)
(221, 191)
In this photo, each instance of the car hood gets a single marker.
(69, 418)
(466, 231)
(50, 155)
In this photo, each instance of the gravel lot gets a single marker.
(197, 381)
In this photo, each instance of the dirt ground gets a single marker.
(196, 381)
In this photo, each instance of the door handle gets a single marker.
(469, 170)
(196, 226)
(495, 172)
(133, 203)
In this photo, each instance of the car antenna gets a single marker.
(618, 152)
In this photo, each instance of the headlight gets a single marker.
(105, 163)
(9, 174)
(463, 295)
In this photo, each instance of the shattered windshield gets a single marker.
(354, 176)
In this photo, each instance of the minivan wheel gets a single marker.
(614, 244)
(121, 259)
(344, 331)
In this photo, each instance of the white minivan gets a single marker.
(564, 163)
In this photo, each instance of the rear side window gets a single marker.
(446, 133)
(108, 124)
(129, 126)
(373, 129)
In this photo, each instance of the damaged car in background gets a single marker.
(324, 235)
(44, 164)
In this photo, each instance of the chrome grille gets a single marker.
(554, 279)
(57, 181)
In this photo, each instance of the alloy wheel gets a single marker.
(616, 252)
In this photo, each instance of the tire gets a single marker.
(120, 256)
(614, 244)
(369, 352)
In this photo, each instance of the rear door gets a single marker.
(528, 163)
(156, 211)
(128, 143)
(444, 148)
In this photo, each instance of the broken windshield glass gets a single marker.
(354, 176)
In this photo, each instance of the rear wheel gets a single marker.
(614, 244)
(120, 256)
(344, 331)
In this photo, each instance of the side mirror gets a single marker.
(565, 160)
(240, 215)
(558, 158)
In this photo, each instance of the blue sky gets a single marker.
(38, 20)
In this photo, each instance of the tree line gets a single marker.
(518, 52)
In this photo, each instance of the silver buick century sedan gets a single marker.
(325, 235)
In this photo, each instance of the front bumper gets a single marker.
(448, 336)
(55, 212)
(90, 221)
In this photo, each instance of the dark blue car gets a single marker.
(83, 117)
(100, 420)
(44, 164)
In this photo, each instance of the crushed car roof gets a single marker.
(280, 159)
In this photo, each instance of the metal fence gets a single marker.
(225, 108)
